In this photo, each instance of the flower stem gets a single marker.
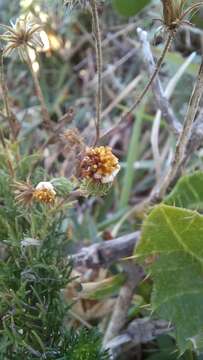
(97, 33)
(158, 66)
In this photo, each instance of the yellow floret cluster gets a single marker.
(100, 164)
(46, 196)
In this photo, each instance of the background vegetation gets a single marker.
(71, 283)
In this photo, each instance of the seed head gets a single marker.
(177, 12)
(21, 35)
(100, 165)
(72, 139)
(23, 192)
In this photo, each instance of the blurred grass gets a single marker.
(132, 156)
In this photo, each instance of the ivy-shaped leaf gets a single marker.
(188, 192)
(129, 7)
(171, 246)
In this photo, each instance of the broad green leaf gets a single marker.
(171, 246)
(188, 192)
(129, 7)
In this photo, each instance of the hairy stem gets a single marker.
(97, 33)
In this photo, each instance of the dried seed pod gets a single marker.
(23, 192)
(73, 140)
(176, 14)
(168, 12)
(21, 35)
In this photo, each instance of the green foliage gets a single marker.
(132, 157)
(94, 188)
(188, 192)
(34, 272)
(129, 7)
(84, 345)
(174, 237)
(167, 350)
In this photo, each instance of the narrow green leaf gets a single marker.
(172, 246)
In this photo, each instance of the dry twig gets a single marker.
(153, 75)
(107, 252)
(184, 137)
(120, 313)
(140, 331)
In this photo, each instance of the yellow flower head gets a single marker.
(21, 35)
(100, 165)
(44, 192)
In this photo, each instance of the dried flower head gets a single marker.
(21, 35)
(44, 192)
(23, 192)
(100, 165)
(176, 13)
(72, 139)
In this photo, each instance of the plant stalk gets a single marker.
(145, 90)
(98, 46)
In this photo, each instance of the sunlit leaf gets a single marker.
(171, 247)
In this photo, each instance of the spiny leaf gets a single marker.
(174, 237)
(188, 192)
